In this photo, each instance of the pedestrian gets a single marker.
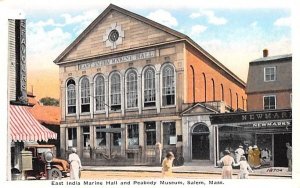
(250, 156)
(167, 164)
(256, 157)
(227, 161)
(289, 156)
(75, 165)
(238, 153)
(244, 168)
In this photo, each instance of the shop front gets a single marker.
(268, 130)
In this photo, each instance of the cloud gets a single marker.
(197, 29)
(253, 24)
(285, 21)
(163, 17)
(211, 17)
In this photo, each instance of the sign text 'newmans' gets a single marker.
(116, 60)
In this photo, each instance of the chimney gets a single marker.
(265, 53)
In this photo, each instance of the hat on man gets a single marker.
(73, 150)
(240, 146)
(255, 147)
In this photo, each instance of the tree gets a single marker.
(49, 101)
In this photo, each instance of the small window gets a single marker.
(72, 137)
(270, 74)
(100, 136)
(150, 129)
(169, 133)
(269, 102)
(133, 135)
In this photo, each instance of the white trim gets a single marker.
(66, 97)
(94, 98)
(79, 94)
(109, 90)
(143, 86)
(264, 102)
(275, 75)
(161, 84)
(125, 88)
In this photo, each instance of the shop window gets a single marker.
(71, 97)
(168, 86)
(116, 136)
(269, 102)
(269, 74)
(100, 136)
(133, 135)
(72, 137)
(115, 95)
(149, 87)
(169, 133)
(86, 137)
(100, 93)
(85, 95)
(132, 95)
(150, 129)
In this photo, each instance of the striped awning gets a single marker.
(24, 127)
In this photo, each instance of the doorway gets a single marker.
(280, 140)
(200, 142)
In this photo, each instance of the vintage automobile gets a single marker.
(57, 168)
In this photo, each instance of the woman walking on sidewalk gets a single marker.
(227, 161)
(167, 164)
(75, 165)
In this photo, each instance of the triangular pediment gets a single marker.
(198, 109)
(132, 32)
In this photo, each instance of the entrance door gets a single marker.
(280, 140)
(200, 142)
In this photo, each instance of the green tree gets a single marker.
(49, 101)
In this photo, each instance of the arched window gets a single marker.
(149, 87)
(230, 97)
(115, 91)
(100, 93)
(200, 128)
(237, 100)
(85, 95)
(132, 95)
(213, 89)
(71, 97)
(243, 100)
(168, 86)
(222, 92)
(204, 78)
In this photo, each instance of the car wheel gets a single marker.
(55, 174)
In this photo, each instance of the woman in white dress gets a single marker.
(244, 168)
(75, 165)
(227, 162)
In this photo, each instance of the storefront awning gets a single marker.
(24, 127)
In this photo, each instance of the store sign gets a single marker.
(241, 117)
(117, 60)
(272, 124)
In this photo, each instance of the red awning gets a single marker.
(24, 127)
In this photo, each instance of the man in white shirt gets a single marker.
(238, 153)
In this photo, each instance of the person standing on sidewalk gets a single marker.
(244, 168)
(238, 153)
(75, 165)
(289, 156)
(167, 164)
(227, 162)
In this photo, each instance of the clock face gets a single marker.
(113, 35)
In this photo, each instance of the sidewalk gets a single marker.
(193, 167)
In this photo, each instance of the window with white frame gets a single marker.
(169, 133)
(72, 137)
(149, 87)
(132, 95)
(150, 129)
(86, 137)
(269, 102)
(71, 97)
(115, 91)
(168, 86)
(117, 135)
(270, 74)
(100, 136)
(85, 95)
(133, 135)
(100, 93)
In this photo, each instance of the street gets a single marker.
(126, 175)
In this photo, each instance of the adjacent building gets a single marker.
(125, 82)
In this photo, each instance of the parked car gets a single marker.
(58, 167)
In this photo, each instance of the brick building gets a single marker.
(125, 82)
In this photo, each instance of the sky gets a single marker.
(234, 34)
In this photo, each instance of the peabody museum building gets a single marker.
(132, 89)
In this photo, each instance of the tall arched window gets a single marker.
(222, 92)
(71, 97)
(149, 87)
(85, 95)
(243, 100)
(115, 91)
(100, 93)
(213, 89)
(168, 86)
(132, 95)
(230, 97)
(204, 78)
(237, 100)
